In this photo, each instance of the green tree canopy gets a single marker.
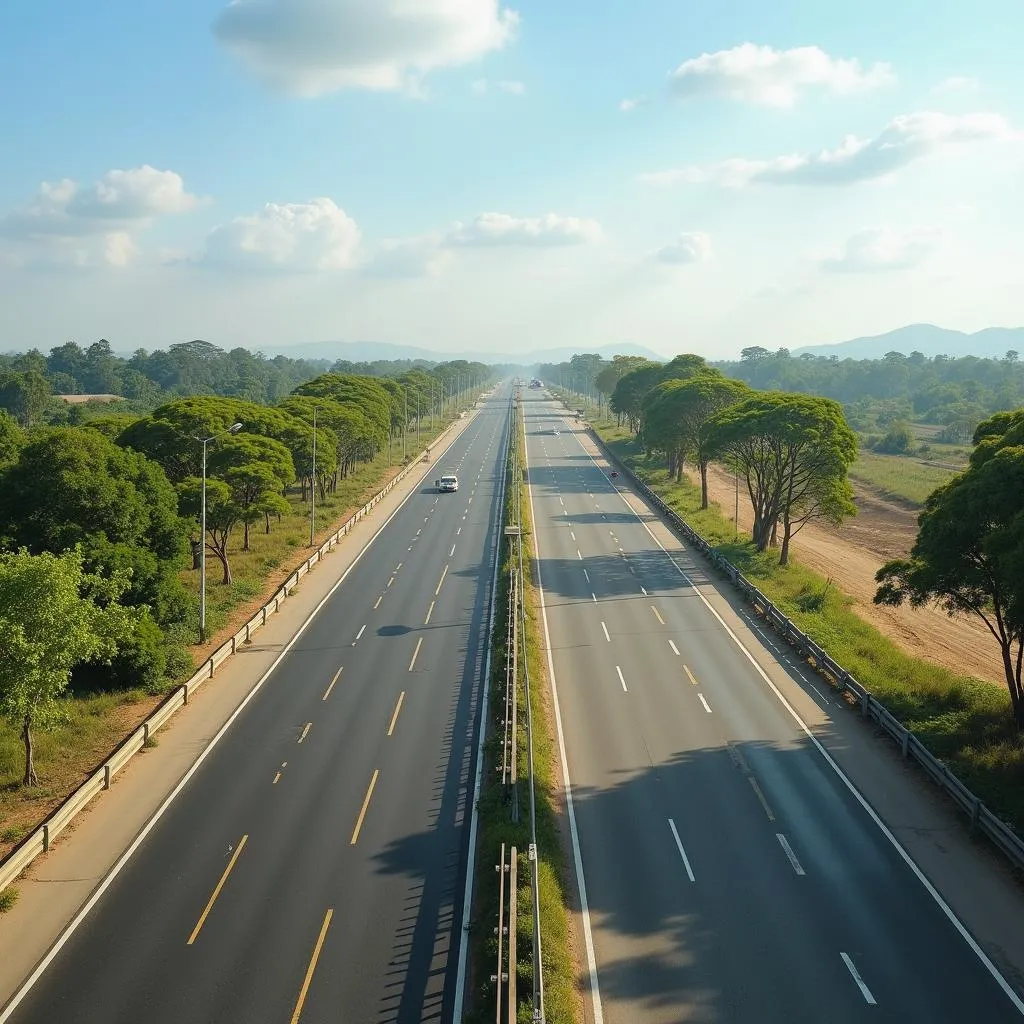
(53, 617)
(794, 451)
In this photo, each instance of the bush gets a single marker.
(898, 441)
(142, 662)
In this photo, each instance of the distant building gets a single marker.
(79, 399)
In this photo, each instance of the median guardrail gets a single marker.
(42, 837)
(982, 820)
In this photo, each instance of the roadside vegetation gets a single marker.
(967, 722)
(105, 516)
(903, 479)
(562, 1001)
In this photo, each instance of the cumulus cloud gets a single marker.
(773, 78)
(688, 247)
(627, 106)
(70, 225)
(317, 235)
(312, 47)
(511, 88)
(958, 83)
(904, 140)
(880, 249)
(495, 229)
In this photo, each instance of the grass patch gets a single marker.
(962, 720)
(900, 477)
(8, 898)
(93, 724)
(561, 1002)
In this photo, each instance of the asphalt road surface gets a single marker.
(313, 867)
(730, 873)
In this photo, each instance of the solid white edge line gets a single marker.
(682, 852)
(864, 990)
(108, 879)
(577, 857)
(830, 761)
(474, 819)
(788, 850)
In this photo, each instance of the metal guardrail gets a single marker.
(982, 820)
(41, 838)
(506, 1002)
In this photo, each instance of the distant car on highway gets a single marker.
(450, 482)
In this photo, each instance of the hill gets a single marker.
(929, 340)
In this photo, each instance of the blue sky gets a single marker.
(469, 174)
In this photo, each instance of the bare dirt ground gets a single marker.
(853, 553)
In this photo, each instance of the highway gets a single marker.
(730, 874)
(312, 869)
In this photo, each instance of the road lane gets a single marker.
(339, 817)
(698, 769)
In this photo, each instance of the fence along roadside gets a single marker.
(42, 837)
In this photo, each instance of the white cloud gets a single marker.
(958, 83)
(312, 47)
(627, 106)
(904, 140)
(317, 235)
(511, 88)
(689, 247)
(774, 78)
(409, 257)
(494, 229)
(66, 224)
(880, 249)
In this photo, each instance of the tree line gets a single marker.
(793, 449)
(99, 523)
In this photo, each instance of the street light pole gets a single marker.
(233, 429)
(312, 489)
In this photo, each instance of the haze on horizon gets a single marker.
(508, 176)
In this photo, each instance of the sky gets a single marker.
(687, 175)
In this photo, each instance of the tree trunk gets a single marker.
(197, 553)
(703, 484)
(245, 535)
(786, 535)
(774, 539)
(227, 568)
(1013, 682)
(30, 778)
(266, 516)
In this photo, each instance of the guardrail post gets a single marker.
(145, 733)
(106, 776)
(211, 666)
(905, 743)
(248, 633)
(975, 813)
(864, 699)
(232, 645)
(184, 693)
(46, 838)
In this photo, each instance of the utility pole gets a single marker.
(405, 425)
(312, 489)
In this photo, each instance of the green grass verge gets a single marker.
(898, 476)
(8, 898)
(561, 1001)
(962, 720)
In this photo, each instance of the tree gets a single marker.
(74, 487)
(11, 438)
(794, 451)
(223, 514)
(755, 354)
(628, 396)
(53, 616)
(613, 372)
(969, 556)
(690, 407)
(24, 395)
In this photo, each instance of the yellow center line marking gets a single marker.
(394, 717)
(376, 603)
(430, 611)
(760, 796)
(657, 615)
(397, 567)
(443, 574)
(305, 731)
(362, 810)
(686, 669)
(415, 654)
(277, 778)
(337, 676)
(312, 967)
(390, 581)
(216, 892)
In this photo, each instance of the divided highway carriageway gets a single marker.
(313, 868)
(730, 872)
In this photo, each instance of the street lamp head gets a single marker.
(234, 428)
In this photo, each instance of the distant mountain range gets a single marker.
(929, 340)
(368, 351)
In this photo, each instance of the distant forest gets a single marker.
(28, 381)
(957, 393)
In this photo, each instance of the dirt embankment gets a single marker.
(853, 553)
